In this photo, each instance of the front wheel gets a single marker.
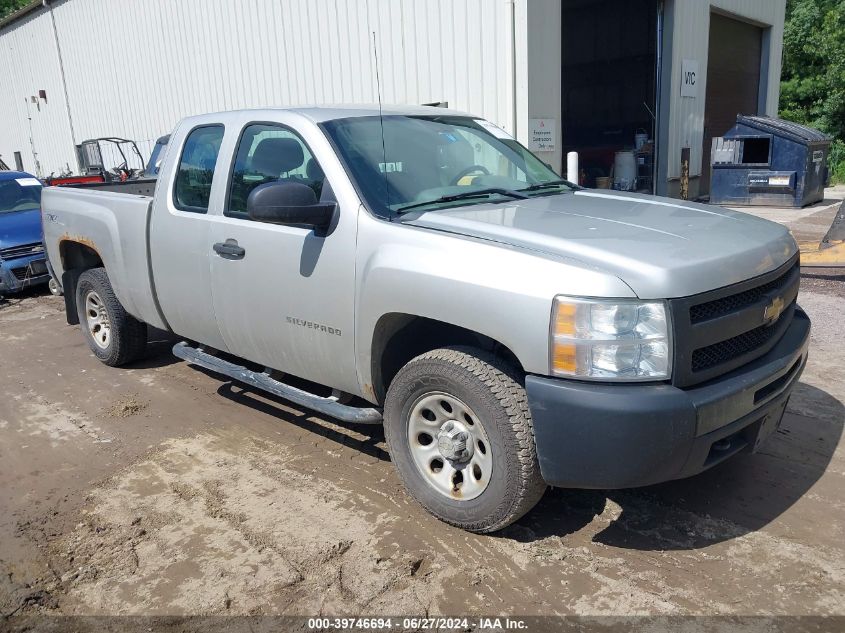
(114, 335)
(459, 430)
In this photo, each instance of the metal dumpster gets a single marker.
(769, 162)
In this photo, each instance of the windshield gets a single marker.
(20, 194)
(430, 162)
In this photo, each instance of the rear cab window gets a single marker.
(195, 173)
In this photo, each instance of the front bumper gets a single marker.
(592, 435)
(22, 272)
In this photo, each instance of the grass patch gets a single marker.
(836, 162)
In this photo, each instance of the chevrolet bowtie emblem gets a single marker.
(773, 310)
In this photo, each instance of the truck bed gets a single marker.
(111, 220)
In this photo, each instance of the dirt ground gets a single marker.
(160, 489)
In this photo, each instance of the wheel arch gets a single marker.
(79, 253)
(77, 256)
(400, 337)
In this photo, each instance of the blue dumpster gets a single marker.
(769, 162)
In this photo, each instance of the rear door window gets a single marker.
(192, 189)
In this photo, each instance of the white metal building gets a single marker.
(590, 74)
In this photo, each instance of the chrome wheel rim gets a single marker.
(449, 446)
(97, 319)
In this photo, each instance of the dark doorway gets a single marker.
(609, 61)
(18, 161)
(733, 81)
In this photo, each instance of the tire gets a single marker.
(53, 286)
(114, 335)
(495, 407)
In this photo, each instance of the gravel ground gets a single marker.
(160, 489)
(828, 281)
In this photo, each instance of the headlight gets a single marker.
(616, 339)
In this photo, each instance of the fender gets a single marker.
(501, 292)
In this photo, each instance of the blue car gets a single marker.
(22, 259)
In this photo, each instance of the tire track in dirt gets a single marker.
(275, 510)
(214, 524)
(225, 523)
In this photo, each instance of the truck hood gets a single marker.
(20, 227)
(662, 248)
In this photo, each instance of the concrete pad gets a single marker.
(809, 224)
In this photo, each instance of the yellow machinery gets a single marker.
(832, 256)
(830, 252)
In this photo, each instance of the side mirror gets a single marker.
(289, 203)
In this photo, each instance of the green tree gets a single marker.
(9, 6)
(813, 77)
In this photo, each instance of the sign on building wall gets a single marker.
(689, 78)
(541, 135)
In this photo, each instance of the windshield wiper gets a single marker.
(548, 185)
(467, 195)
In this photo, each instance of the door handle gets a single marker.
(229, 249)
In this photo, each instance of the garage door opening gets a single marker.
(733, 82)
(609, 69)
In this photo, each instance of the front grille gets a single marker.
(731, 303)
(23, 250)
(720, 330)
(21, 273)
(724, 351)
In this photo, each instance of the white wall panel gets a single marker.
(28, 63)
(136, 67)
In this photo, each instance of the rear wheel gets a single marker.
(114, 335)
(460, 434)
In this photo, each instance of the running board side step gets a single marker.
(328, 406)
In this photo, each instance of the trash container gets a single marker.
(769, 162)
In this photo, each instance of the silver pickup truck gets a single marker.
(418, 268)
